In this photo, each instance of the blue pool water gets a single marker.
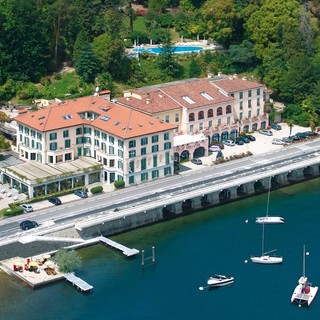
(183, 49)
(188, 250)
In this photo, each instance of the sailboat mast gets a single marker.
(268, 197)
(304, 261)
(262, 243)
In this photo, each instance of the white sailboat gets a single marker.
(304, 292)
(267, 218)
(265, 257)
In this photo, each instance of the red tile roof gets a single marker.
(113, 118)
(235, 84)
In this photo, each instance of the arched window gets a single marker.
(219, 111)
(200, 115)
(210, 113)
(228, 109)
(191, 116)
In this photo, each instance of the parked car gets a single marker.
(28, 224)
(276, 126)
(310, 133)
(81, 193)
(54, 200)
(214, 148)
(278, 141)
(250, 137)
(26, 207)
(287, 139)
(301, 135)
(239, 141)
(266, 132)
(244, 139)
(217, 144)
(196, 161)
(230, 143)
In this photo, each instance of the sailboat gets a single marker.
(265, 257)
(267, 218)
(304, 293)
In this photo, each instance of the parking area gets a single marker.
(262, 144)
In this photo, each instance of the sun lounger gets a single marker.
(48, 271)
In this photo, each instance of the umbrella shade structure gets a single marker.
(33, 263)
(46, 256)
(18, 263)
(49, 263)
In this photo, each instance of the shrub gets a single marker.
(119, 184)
(67, 261)
(97, 189)
(12, 211)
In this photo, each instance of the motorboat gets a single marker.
(304, 292)
(269, 219)
(219, 280)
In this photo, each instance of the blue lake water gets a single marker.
(188, 251)
(183, 49)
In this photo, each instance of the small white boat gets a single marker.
(304, 292)
(268, 219)
(219, 280)
(265, 258)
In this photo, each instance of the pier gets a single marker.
(79, 283)
(126, 251)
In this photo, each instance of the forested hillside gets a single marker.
(274, 41)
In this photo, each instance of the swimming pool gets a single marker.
(183, 49)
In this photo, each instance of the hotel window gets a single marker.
(53, 146)
(210, 113)
(38, 146)
(20, 137)
(228, 109)
(167, 146)
(176, 117)
(111, 139)
(240, 115)
(155, 161)
(167, 118)
(143, 151)
(66, 133)
(26, 141)
(87, 140)
(258, 112)
(26, 130)
(155, 174)
(131, 166)
(228, 120)
(144, 164)
(67, 143)
(249, 103)
(97, 133)
(200, 115)
(96, 142)
(249, 114)
(191, 117)
(191, 128)
(103, 147)
(33, 134)
(32, 143)
(241, 105)
(68, 156)
(249, 93)
(155, 148)
(132, 153)
(167, 157)
(258, 92)
(20, 128)
(241, 95)
(53, 136)
(131, 180)
(167, 171)
(166, 136)
(201, 126)
(103, 136)
(120, 153)
(258, 102)
(39, 136)
(78, 131)
(111, 164)
(132, 143)
(79, 140)
(111, 150)
(219, 111)
(219, 122)
(210, 124)
(79, 151)
(120, 165)
(120, 143)
(86, 130)
(155, 139)
(144, 141)
(144, 176)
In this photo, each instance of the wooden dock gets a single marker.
(79, 283)
(126, 251)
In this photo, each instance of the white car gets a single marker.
(278, 141)
(214, 148)
(26, 207)
(230, 143)
(266, 132)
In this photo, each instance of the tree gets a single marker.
(290, 124)
(194, 69)
(87, 65)
(67, 261)
(242, 55)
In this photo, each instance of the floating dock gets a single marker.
(126, 251)
(79, 283)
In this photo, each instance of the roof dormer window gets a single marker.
(207, 96)
(187, 99)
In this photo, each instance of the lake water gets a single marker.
(188, 251)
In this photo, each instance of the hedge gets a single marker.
(97, 189)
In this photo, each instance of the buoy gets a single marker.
(247, 221)
(245, 261)
(201, 288)
(307, 253)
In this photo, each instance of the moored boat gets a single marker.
(219, 280)
(269, 220)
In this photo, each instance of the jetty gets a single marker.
(126, 251)
(79, 283)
